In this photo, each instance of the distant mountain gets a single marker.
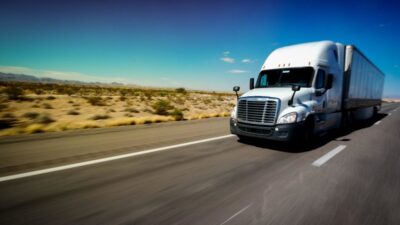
(33, 79)
(18, 77)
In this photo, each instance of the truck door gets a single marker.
(320, 108)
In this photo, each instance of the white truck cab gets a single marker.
(306, 89)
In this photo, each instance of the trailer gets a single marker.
(364, 81)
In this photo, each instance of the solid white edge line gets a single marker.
(236, 214)
(377, 122)
(319, 162)
(96, 161)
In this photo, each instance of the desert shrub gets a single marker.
(34, 128)
(100, 117)
(8, 115)
(47, 106)
(122, 98)
(69, 91)
(207, 101)
(8, 120)
(73, 113)
(147, 121)
(148, 95)
(131, 110)
(123, 92)
(51, 97)
(95, 100)
(31, 115)
(3, 106)
(38, 91)
(110, 110)
(35, 106)
(44, 119)
(122, 122)
(161, 107)
(177, 114)
(128, 115)
(14, 93)
(148, 110)
(89, 125)
(181, 90)
(180, 101)
(71, 102)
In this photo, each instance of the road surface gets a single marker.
(194, 172)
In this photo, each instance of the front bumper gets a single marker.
(279, 132)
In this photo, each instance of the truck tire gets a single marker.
(306, 138)
(243, 138)
(346, 121)
(375, 113)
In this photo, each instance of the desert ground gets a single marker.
(40, 107)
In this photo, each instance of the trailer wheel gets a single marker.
(375, 113)
(346, 121)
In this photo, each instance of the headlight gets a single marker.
(288, 118)
(233, 113)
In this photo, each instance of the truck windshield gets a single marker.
(285, 77)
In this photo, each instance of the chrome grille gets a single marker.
(257, 110)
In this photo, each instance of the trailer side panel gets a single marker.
(365, 81)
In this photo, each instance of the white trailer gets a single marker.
(307, 89)
(365, 80)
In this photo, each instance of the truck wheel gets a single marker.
(307, 136)
(243, 138)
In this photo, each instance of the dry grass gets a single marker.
(39, 108)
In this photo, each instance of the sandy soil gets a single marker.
(55, 112)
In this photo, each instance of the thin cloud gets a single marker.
(247, 61)
(383, 25)
(237, 71)
(61, 75)
(225, 53)
(227, 59)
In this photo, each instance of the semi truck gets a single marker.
(306, 90)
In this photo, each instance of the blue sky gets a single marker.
(211, 45)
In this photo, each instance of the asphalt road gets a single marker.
(351, 178)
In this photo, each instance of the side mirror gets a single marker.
(329, 81)
(296, 88)
(320, 92)
(251, 83)
(236, 89)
